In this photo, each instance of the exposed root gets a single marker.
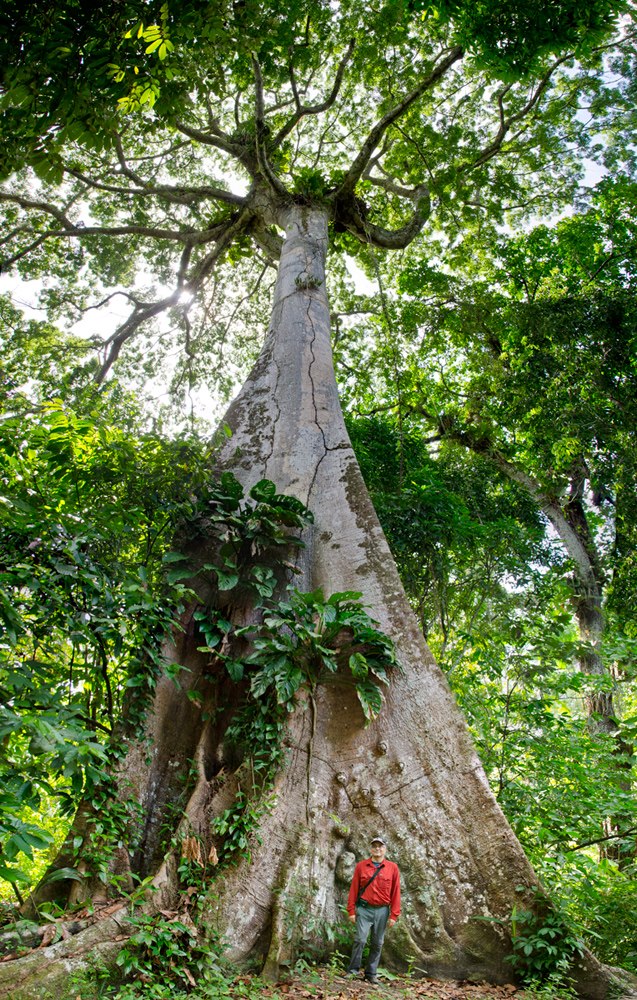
(45, 972)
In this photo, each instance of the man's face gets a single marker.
(377, 851)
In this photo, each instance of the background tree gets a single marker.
(529, 362)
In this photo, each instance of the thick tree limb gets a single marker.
(506, 123)
(261, 133)
(357, 168)
(140, 315)
(186, 286)
(349, 214)
(550, 506)
(180, 195)
(43, 206)
(222, 142)
(388, 183)
(70, 229)
(302, 110)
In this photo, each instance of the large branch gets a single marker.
(389, 184)
(302, 110)
(270, 243)
(261, 132)
(129, 327)
(69, 229)
(217, 139)
(177, 194)
(568, 532)
(348, 214)
(506, 123)
(186, 288)
(551, 507)
(359, 165)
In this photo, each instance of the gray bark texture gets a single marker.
(412, 775)
(571, 525)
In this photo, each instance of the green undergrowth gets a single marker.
(304, 981)
(238, 550)
(87, 512)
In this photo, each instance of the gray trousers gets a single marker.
(374, 919)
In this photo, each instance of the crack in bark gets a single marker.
(277, 414)
(316, 419)
(310, 752)
(407, 784)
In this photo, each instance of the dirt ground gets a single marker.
(324, 984)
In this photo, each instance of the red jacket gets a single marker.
(384, 890)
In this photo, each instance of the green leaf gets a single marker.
(358, 666)
(226, 581)
(232, 490)
(344, 596)
(370, 699)
(235, 669)
(263, 491)
(179, 574)
(171, 557)
(61, 874)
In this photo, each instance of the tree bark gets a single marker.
(411, 775)
(572, 527)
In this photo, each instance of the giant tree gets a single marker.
(273, 135)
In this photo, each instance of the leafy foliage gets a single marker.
(543, 943)
(238, 825)
(86, 514)
(72, 73)
(167, 947)
(510, 35)
(253, 540)
(308, 637)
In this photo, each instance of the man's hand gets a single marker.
(352, 918)
(391, 922)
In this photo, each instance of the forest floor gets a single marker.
(325, 984)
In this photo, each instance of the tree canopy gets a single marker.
(252, 109)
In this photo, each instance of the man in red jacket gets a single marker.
(374, 901)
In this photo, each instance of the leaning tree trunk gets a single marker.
(619, 841)
(587, 583)
(600, 708)
(412, 774)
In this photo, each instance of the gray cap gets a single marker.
(380, 840)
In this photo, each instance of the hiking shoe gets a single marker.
(371, 979)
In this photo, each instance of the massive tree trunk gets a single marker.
(412, 774)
